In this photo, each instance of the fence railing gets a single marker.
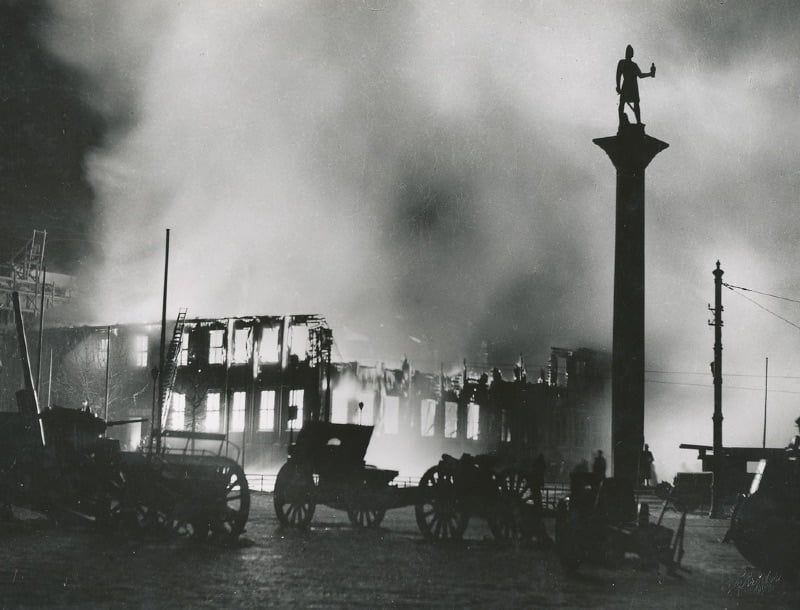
(265, 482)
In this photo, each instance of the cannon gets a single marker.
(765, 524)
(485, 486)
(600, 521)
(57, 462)
(54, 460)
(326, 466)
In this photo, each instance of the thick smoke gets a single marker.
(365, 162)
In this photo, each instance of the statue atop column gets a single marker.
(629, 72)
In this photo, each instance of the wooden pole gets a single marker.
(41, 333)
(50, 377)
(162, 350)
(766, 379)
(108, 369)
(717, 486)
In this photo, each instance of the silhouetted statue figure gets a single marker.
(629, 72)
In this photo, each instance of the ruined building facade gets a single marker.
(258, 378)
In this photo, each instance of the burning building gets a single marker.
(259, 378)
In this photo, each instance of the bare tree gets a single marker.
(80, 376)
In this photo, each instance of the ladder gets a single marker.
(171, 366)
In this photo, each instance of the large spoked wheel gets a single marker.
(365, 517)
(234, 504)
(294, 496)
(439, 514)
(517, 514)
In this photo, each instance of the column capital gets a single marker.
(631, 149)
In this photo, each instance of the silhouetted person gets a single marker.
(537, 478)
(629, 72)
(599, 466)
(794, 445)
(647, 465)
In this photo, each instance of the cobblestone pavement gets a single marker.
(334, 565)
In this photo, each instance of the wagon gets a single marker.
(326, 466)
(188, 492)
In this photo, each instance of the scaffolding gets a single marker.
(24, 274)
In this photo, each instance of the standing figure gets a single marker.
(794, 444)
(537, 478)
(629, 72)
(647, 465)
(599, 466)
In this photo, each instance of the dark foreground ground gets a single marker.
(333, 565)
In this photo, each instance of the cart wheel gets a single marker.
(294, 496)
(366, 517)
(229, 522)
(505, 511)
(517, 515)
(439, 513)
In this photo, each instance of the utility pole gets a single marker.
(716, 369)
(108, 370)
(156, 427)
(41, 332)
(766, 381)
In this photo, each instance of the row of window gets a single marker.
(345, 410)
(242, 346)
(139, 350)
(210, 420)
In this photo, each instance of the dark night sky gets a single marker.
(46, 129)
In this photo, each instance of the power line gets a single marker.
(726, 374)
(766, 294)
(731, 288)
(709, 386)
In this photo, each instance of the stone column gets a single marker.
(631, 150)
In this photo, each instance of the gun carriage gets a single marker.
(326, 466)
(57, 460)
(485, 486)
